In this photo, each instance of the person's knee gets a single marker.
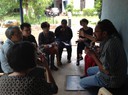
(89, 71)
(83, 84)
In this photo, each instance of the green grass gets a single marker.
(55, 20)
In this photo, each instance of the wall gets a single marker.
(76, 4)
(89, 4)
(117, 12)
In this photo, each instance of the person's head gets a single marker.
(26, 29)
(13, 33)
(22, 56)
(103, 29)
(64, 23)
(45, 26)
(84, 22)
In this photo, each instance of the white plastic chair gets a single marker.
(104, 91)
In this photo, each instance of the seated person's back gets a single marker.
(26, 79)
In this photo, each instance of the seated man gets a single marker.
(26, 32)
(111, 69)
(13, 35)
(63, 35)
(46, 43)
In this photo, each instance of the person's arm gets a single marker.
(96, 59)
(4, 64)
(90, 37)
(57, 30)
(43, 62)
(71, 33)
(49, 78)
(34, 40)
(40, 39)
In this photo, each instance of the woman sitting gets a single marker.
(27, 78)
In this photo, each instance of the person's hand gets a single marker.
(46, 46)
(90, 52)
(101, 68)
(80, 40)
(41, 60)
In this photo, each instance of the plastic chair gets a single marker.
(104, 91)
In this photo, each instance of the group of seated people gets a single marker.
(27, 65)
(22, 58)
(24, 69)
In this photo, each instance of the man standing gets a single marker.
(63, 35)
(13, 35)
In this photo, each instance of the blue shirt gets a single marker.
(3, 58)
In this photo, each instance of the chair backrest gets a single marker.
(104, 91)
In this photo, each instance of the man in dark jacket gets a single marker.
(63, 35)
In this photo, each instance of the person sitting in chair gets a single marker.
(27, 78)
(63, 35)
(47, 44)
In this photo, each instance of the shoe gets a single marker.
(69, 61)
(82, 76)
(54, 68)
(81, 58)
(59, 63)
(77, 63)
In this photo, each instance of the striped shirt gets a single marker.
(114, 60)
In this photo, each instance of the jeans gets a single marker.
(92, 79)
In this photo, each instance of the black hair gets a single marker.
(45, 25)
(107, 25)
(64, 21)
(83, 20)
(21, 56)
(24, 25)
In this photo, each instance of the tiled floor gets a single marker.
(68, 69)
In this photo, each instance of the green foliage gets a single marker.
(76, 12)
(98, 5)
(7, 7)
(69, 8)
(89, 12)
(36, 10)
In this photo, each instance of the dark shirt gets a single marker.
(46, 39)
(31, 84)
(63, 34)
(89, 31)
(30, 38)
